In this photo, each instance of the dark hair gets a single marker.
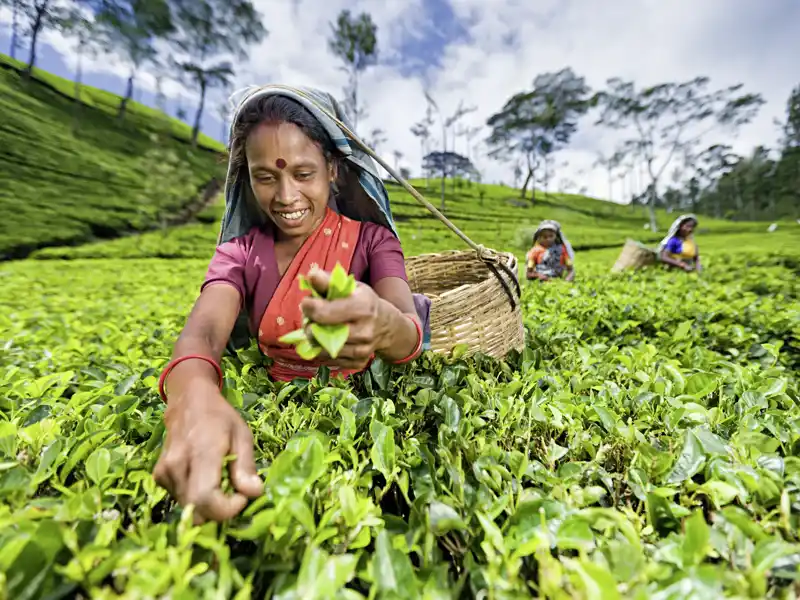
(276, 109)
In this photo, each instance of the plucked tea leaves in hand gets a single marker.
(330, 338)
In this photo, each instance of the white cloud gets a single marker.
(645, 40)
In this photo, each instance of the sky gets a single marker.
(480, 52)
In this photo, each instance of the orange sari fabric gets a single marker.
(333, 241)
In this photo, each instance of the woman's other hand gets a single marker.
(376, 325)
(202, 429)
(687, 267)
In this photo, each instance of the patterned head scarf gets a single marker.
(675, 228)
(362, 196)
(560, 237)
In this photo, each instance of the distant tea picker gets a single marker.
(551, 256)
(678, 248)
(305, 211)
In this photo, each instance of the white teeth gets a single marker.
(294, 216)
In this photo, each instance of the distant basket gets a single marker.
(473, 302)
(634, 256)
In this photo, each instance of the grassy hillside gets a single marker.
(500, 220)
(71, 172)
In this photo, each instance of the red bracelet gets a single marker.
(175, 362)
(417, 348)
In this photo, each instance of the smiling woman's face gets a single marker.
(290, 177)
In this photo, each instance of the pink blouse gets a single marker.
(248, 263)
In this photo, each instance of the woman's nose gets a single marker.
(287, 191)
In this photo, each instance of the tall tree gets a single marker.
(398, 156)
(208, 34)
(456, 164)
(540, 121)
(422, 130)
(81, 25)
(791, 127)
(447, 124)
(669, 119)
(132, 28)
(41, 15)
(354, 40)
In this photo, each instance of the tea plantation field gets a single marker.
(644, 445)
(71, 172)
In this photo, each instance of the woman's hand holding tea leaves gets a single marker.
(312, 338)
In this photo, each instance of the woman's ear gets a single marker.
(333, 171)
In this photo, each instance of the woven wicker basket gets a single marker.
(469, 304)
(634, 256)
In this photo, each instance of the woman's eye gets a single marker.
(265, 179)
(303, 176)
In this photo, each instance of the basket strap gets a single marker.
(488, 256)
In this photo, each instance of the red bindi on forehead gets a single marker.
(280, 163)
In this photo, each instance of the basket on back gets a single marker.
(470, 302)
(634, 256)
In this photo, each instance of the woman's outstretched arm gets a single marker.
(202, 427)
(666, 258)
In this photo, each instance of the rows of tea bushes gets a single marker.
(498, 220)
(70, 172)
(644, 445)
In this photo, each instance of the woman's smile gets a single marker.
(293, 218)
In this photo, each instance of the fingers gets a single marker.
(171, 471)
(360, 306)
(320, 280)
(243, 468)
(203, 489)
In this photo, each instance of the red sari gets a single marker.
(333, 241)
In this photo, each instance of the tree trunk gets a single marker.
(123, 105)
(525, 184)
(79, 73)
(651, 206)
(422, 162)
(199, 115)
(37, 27)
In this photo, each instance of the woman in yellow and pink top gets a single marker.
(678, 248)
(551, 256)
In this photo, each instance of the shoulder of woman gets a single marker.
(374, 233)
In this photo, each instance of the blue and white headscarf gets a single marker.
(361, 197)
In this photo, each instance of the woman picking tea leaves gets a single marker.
(299, 201)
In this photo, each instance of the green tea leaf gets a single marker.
(331, 337)
(98, 465)
(383, 448)
(294, 337)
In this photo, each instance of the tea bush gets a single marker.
(644, 445)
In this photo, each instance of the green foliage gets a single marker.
(643, 445)
(661, 120)
(354, 41)
(208, 32)
(312, 338)
(536, 123)
(63, 185)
